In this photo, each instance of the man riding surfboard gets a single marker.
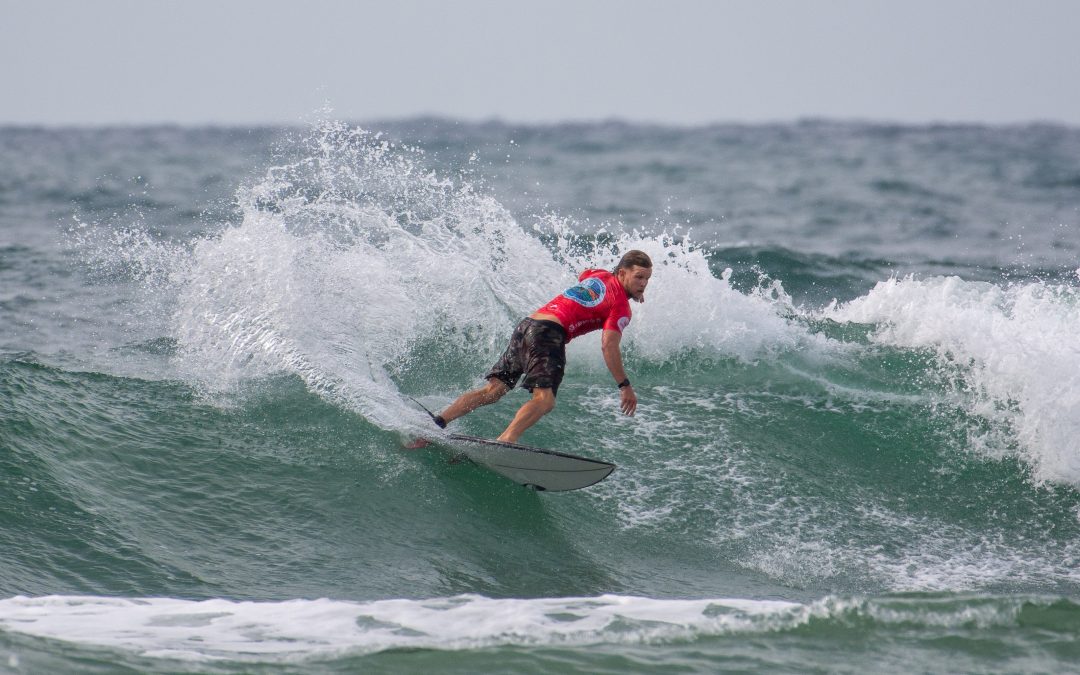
(537, 347)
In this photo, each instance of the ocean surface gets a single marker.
(857, 446)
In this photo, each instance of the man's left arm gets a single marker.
(609, 345)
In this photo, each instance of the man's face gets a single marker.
(634, 280)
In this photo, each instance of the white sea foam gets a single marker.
(913, 553)
(1013, 349)
(311, 630)
(225, 629)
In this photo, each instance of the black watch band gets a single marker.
(624, 383)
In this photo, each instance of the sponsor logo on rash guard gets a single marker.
(588, 293)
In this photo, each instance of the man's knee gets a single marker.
(495, 389)
(546, 398)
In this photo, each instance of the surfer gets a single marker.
(537, 346)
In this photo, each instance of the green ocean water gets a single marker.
(855, 448)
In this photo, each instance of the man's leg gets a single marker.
(471, 400)
(541, 403)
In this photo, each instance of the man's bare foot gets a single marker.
(417, 444)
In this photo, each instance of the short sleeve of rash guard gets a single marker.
(617, 320)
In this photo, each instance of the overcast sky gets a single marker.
(273, 61)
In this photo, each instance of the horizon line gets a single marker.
(497, 120)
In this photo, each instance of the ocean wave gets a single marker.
(1008, 353)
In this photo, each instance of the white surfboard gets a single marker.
(534, 468)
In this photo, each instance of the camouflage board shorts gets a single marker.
(537, 349)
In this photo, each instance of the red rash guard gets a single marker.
(597, 301)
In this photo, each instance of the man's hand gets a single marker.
(629, 400)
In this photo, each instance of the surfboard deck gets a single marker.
(535, 468)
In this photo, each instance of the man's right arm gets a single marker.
(609, 345)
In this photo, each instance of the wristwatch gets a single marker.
(624, 383)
